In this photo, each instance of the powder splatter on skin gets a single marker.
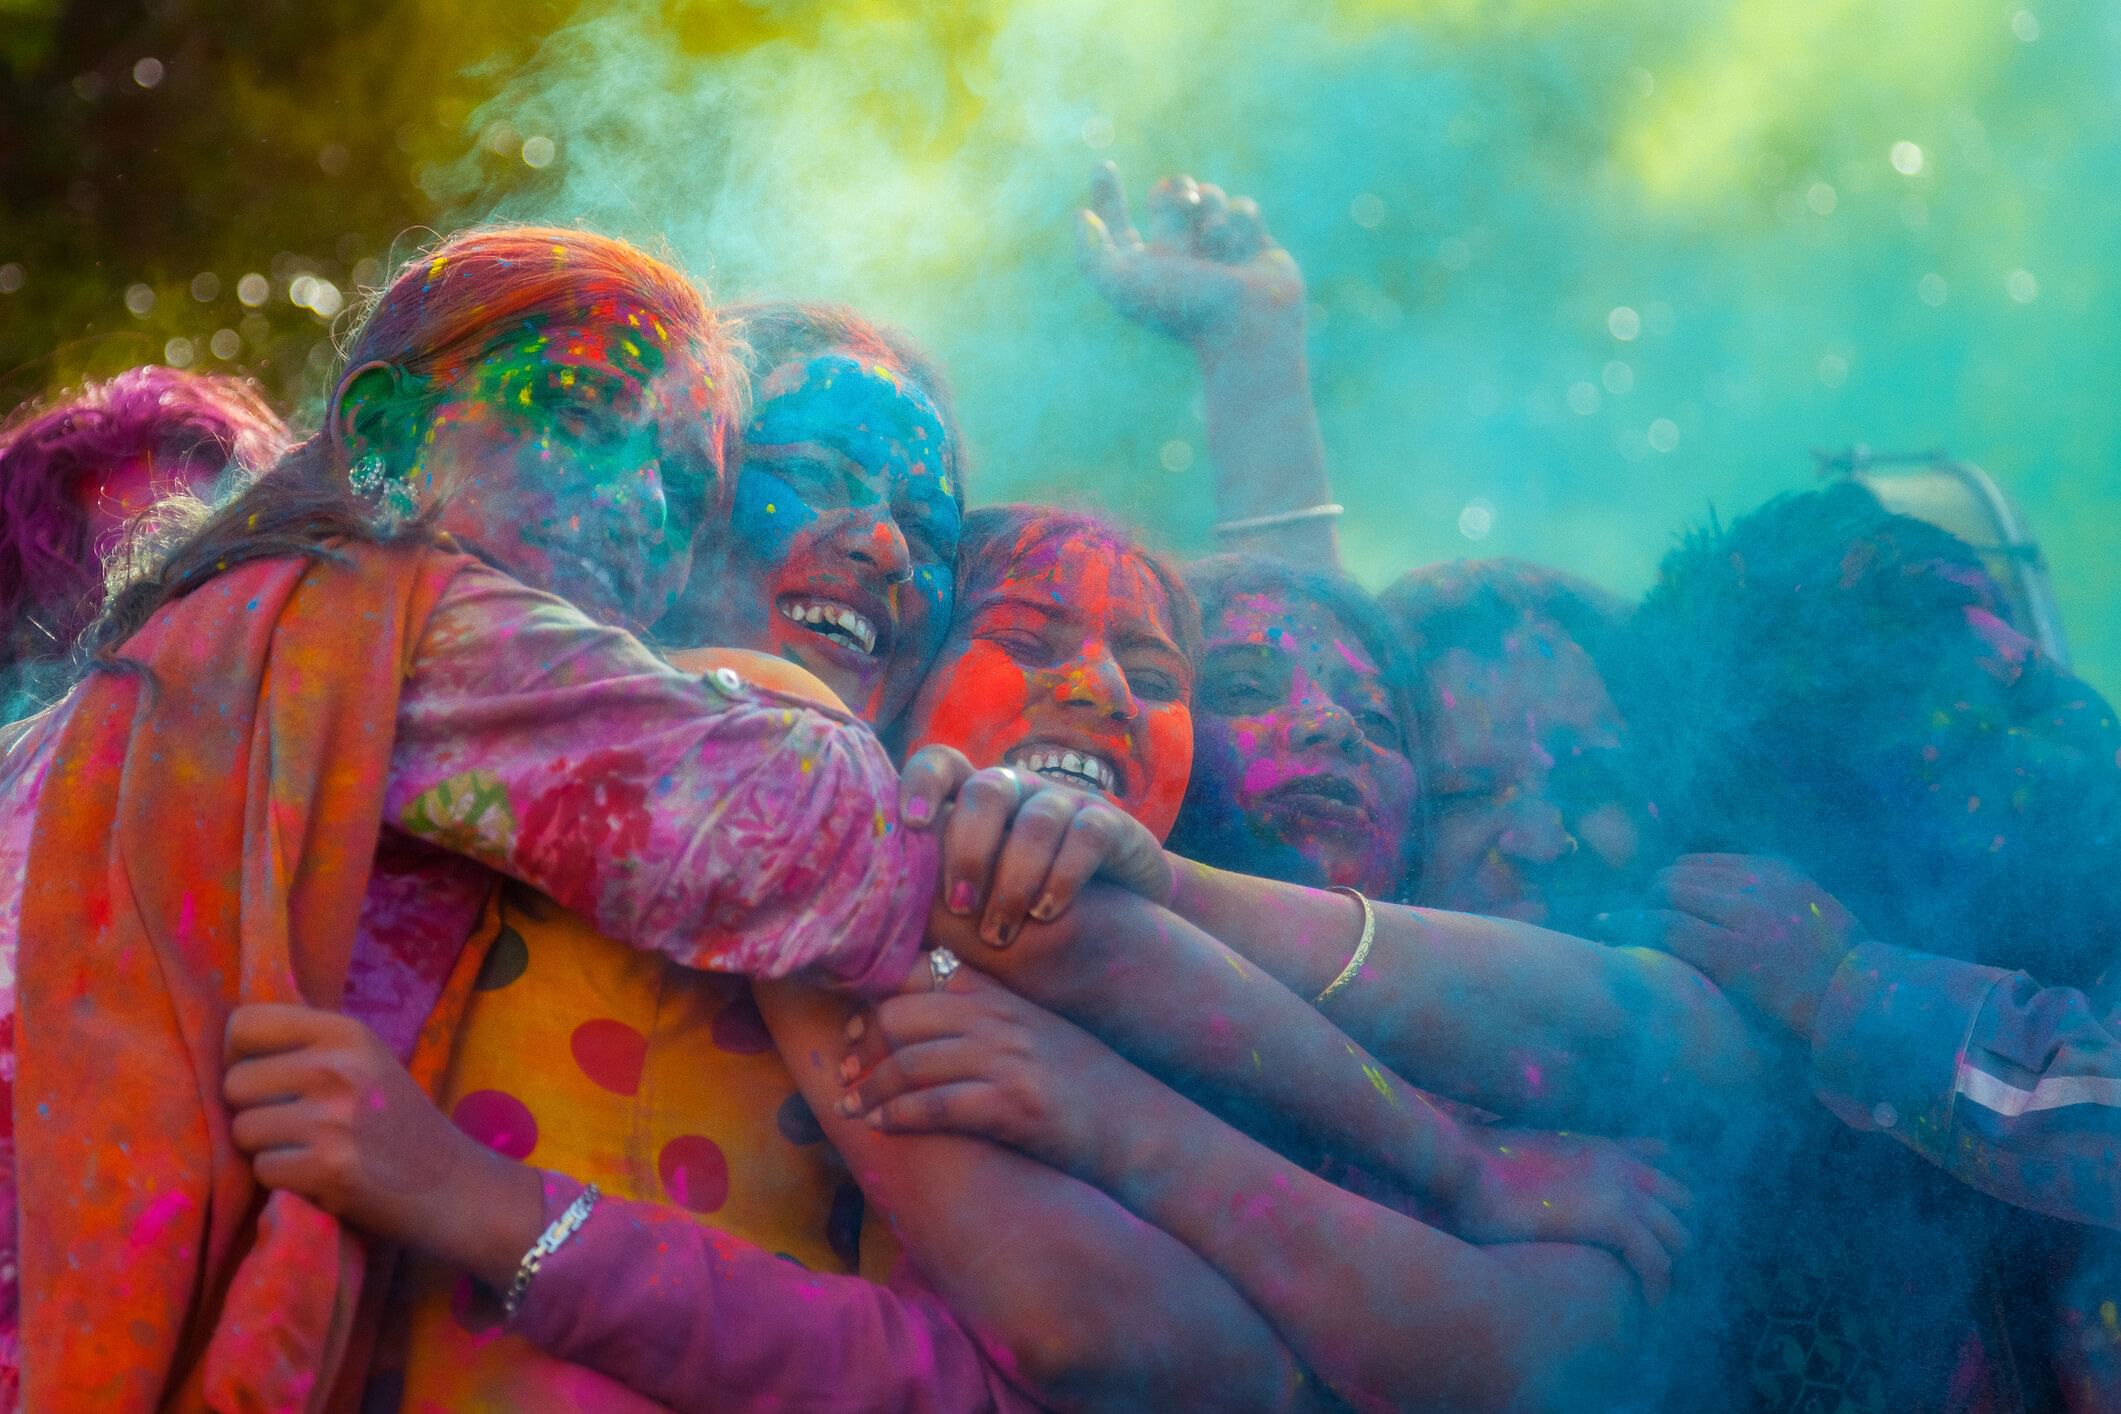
(1070, 666)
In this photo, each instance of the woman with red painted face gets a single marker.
(1069, 661)
(1304, 765)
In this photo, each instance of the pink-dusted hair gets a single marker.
(51, 577)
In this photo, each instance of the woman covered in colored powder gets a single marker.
(75, 470)
(1304, 768)
(1071, 660)
(665, 1087)
(336, 713)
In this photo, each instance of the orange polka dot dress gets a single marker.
(653, 1081)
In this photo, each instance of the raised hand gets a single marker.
(1017, 846)
(1533, 1186)
(1208, 273)
(1757, 926)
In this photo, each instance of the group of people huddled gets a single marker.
(601, 877)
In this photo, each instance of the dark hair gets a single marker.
(994, 538)
(1810, 679)
(49, 570)
(444, 309)
(1475, 604)
(778, 332)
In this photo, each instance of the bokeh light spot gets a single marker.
(1476, 520)
(1582, 399)
(1623, 323)
(2021, 286)
(206, 287)
(148, 72)
(1367, 210)
(1176, 455)
(1833, 370)
(1618, 378)
(1906, 158)
(178, 352)
(1098, 132)
(253, 289)
(140, 299)
(538, 151)
(1821, 197)
(1664, 434)
(2026, 25)
(225, 344)
(1932, 289)
(11, 277)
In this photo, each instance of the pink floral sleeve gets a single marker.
(725, 826)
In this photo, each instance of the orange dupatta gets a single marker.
(202, 840)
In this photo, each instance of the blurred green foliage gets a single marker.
(1580, 268)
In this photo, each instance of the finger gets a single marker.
(1667, 1190)
(973, 836)
(1208, 219)
(263, 1028)
(1648, 1259)
(1665, 1226)
(1245, 230)
(967, 1107)
(1091, 836)
(287, 1126)
(1716, 903)
(1027, 855)
(1173, 204)
(292, 1168)
(1681, 934)
(944, 1061)
(266, 1080)
(1108, 200)
(915, 1017)
(929, 781)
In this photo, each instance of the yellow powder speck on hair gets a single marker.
(436, 268)
(769, 508)
(1815, 910)
(1378, 1082)
(631, 347)
(883, 826)
(1546, 1202)
(566, 378)
(524, 396)
(660, 331)
(559, 252)
(806, 765)
(252, 523)
(634, 320)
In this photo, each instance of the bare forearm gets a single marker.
(1096, 1309)
(1117, 966)
(1263, 439)
(1389, 1312)
(1533, 1024)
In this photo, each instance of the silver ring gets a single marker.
(942, 964)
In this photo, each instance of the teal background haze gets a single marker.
(1579, 272)
(1822, 222)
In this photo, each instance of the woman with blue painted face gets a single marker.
(843, 510)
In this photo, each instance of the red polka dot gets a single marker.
(611, 1053)
(694, 1173)
(499, 1121)
(738, 1028)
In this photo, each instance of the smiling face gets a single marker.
(1302, 771)
(1069, 667)
(1533, 812)
(578, 457)
(842, 540)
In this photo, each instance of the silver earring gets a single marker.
(367, 476)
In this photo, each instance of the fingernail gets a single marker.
(961, 897)
(1004, 935)
(1045, 910)
(918, 810)
(990, 932)
(874, 1119)
(849, 1068)
(850, 1102)
(855, 1027)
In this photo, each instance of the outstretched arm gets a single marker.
(1388, 1311)
(1211, 276)
(1535, 1025)
(1096, 1309)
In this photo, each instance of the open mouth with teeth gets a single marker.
(1324, 790)
(1085, 770)
(834, 621)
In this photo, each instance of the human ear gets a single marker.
(370, 414)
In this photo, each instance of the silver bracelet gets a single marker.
(563, 1227)
(1329, 510)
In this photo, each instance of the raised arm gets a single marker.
(1096, 1309)
(1210, 276)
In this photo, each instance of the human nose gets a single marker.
(1099, 684)
(872, 540)
(1536, 833)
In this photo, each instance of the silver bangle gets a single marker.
(1362, 945)
(563, 1227)
(1329, 510)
